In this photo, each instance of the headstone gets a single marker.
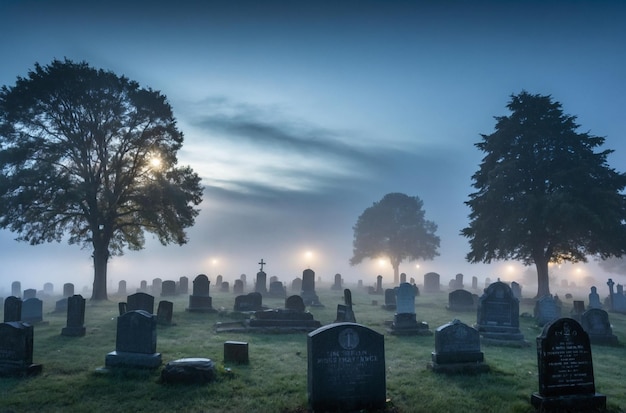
(308, 294)
(192, 370)
(183, 285)
(121, 307)
(346, 368)
(200, 300)
(359, 284)
(405, 320)
(218, 281)
(29, 293)
(243, 278)
(431, 282)
(236, 352)
(168, 288)
(75, 326)
(225, 287)
(296, 285)
(390, 299)
(68, 290)
(487, 282)
(32, 310)
(610, 283)
(594, 298)
(461, 300)
(402, 277)
(140, 301)
(292, 317)
(516, 289)
(546, 310)
(60, 306)
(474, 283)
(457, 349)
(619, 300)
(277, 290)
(121, 288)
(458, 282)
(596, 324)
(337, 284)
(249, 302)
(48, 289)
(143, 286)
(16, 289)
(273, 279)
(261, 282)
(498, 316)
(566, 380)
(295, 303)
(165, 311)
(12, 309)
(16, 349)
(379, 284)
(344, 311)
(135, 344)
(238, 287)
(156, 287)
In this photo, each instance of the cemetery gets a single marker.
(351, 354)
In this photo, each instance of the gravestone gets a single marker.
(200, 300)
(565, 366)
(121, 288)
(261, 283)
(273, 279)
(295, 303)
(140, 301)
(346, 368)
(236, 352)
(497, 318)
(29, 293)
(596, 324)
(308, 294)
(191, 370)
(457, 349)
(135, 344)
(12, 309)
(461, 300)
(405, 320)
(594, 298)
(249, 302)
(296, 285)
(60, 306)
(292, 317)
(474, 283)
(379, 285)
(402, 278)
(277, 290)
(577, 310)
(487, 282)
(238, 287)
(390, 299)
(16, 289)
(218, 281)
(457, 283)
(16, 349)
(48, 289)
(243, 278)
(546, 310)
(143, 286)
(157, 284)
(165, 311)
(344, 311)
(121, 307)
(75, 326)
(516, 289)
(68, 290)
(431, 282)
(168, 288)
(183, 285)
(337, 284)
(32, 310)
(225, 287)
(619, 300)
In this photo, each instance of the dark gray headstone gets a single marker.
(431, 282)
(296, 285)
(48, 289)
(596, 324)
(68, 290)
(218, 281)
(277, 289)
(183, 285)
(140, 301)
(498, 316)
(189, 371)
(337, 284)
(16, 289)
(225, 287)
(29, 293)
(516, 288)
(238, 287)
(75, 317)
(546, 310)
(16, 349)
(168, 288)
(165, 311)
(456, 342)
(346, 368)
(121, 288)
(201, 286)
(405, 299)
(295, 303)
(390, 299)
(32, 310)
(345, 312)
(135, 344)
(156, 287)
(261, 282)
(12, 309)
(594, 298)
(249, 302)
(461, 300)
(308, 293)
(200, 300)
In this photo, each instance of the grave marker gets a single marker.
(75, 326)
(135, 344)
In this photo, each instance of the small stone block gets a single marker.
(236, 352)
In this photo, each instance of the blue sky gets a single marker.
(299, 115)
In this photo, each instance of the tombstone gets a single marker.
(183, 285)
(431, 282)
(168, 288)
(16, 289)
(60, 306)
(390, 299)
(594, 298)
(487, 282)
(238, 287)
(546, 310)
(218, 281)
(474, 283)
(565, 366)
(516, 288)
(337, 284)
(68, 290)
(140, 301)
(610, 283)
(461, 300)
(243, 278)
(379, 285)
(121, 308)
(405, 320)
(165, 311)
(596, 324)
(359, 284)
(157, 285)
(498, 316)
(48, 289)
(295, 303)
(578, 310)
(346, 368)
(135, 344)
(457, 349)
(75, 326)
(344, 311)
(191, 370)
(12, 309)
(458, 282)
(29, 293)
(308, 294)
(277, 290)
(16, 350)
(236, 352)
(402, 278)
(225, 287)
(249, 302)
(260, 285)
(292, 317)
(121, 288)
(273, 279)
(143, 287)
(200, 300)
(296, 285)
(32, 310)
(619, 300)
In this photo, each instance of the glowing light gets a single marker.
(155, 162)
(381, 262)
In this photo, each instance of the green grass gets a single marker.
(275, 379)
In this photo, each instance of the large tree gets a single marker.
(543, 194)
(91, 156)
(395, 227)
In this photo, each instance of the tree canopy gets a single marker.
(90, 155)
(543, 195)
(395, 227)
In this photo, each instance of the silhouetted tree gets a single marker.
(543, 194)
(395, 227)
(86, 153)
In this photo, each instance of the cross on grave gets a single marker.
(262, 264)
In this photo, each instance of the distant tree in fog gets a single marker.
(613, 265)
(91, 155)
(543, 194)
(395, 227)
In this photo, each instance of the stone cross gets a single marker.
(262, 264)
(610, 283)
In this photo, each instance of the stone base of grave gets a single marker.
(407, 325)
(8, 369)
(137, 360)
(501, 336)
(460, 357)
(587, 403)
(311, 299)
(189, 371)
(236, 352)
(73, 331)
(458, 368)
(313, 324)
(200, 304)
(604, 340)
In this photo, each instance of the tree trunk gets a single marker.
(100, 261)
(543, 282)
(396, 271)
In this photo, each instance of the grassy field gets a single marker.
(276, 378)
